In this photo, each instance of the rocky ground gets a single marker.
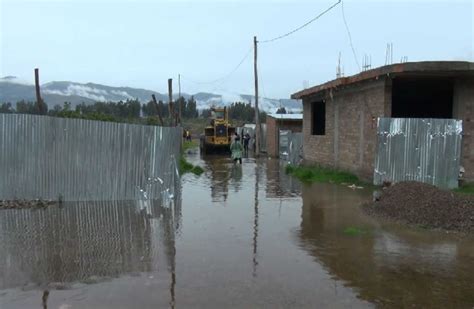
(22, 204)
(425, 206)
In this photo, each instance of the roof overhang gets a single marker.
(289, 117)
(425, 68)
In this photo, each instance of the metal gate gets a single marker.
(425, 150)
(290, 146)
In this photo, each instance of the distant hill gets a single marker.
(57, 92)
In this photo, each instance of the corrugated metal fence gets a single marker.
(291, 147)
(425, 150)
(80, 160)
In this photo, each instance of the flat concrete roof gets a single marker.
(424, 68)
(286, 116)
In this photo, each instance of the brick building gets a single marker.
(340, 116)
(277, 122)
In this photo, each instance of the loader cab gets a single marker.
(219, 114)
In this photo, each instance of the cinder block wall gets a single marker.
(463, 108)
(273, 127)
(351, 115)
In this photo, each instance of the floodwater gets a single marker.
(238, 236)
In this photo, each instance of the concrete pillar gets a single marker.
(335, 104)
(387, 106)
(463, 109)
(361, 135)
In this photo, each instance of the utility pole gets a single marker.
(170, 100)
(257, 113)
(39, 102)
(179, 96)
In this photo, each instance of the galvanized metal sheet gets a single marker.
(425, 150)
(80, 160)
(290, 147)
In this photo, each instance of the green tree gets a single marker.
(67, 106)
(191, 105)
(150, 109)
(163, 108)
(242, 111)
(56, 110)
(206, 113)
(6, 108)
(180, 103)
(26, 107)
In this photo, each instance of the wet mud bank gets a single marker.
(27, 204)
(426, 206)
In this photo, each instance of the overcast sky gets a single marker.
(142, 43)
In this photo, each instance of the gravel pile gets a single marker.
(22, 204)
(424, 205)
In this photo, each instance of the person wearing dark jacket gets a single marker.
(246, 142)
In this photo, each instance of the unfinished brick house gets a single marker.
(340, 116)
(277, 122)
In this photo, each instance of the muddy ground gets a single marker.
(424, 206)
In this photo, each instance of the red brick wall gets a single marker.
(273, 127)
(353, 110)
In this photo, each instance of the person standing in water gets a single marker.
(246, 142)
(236, 149)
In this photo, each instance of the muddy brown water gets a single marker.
(240, 236)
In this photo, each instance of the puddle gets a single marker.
(241, 236)
(386, 264)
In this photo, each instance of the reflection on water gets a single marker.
(279, 184)
(388, 265)
(238, 242)
(255, 224)
(220, 171)
(246, 236)
(85, 240)
(223, 175)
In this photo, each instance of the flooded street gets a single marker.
(240, 236)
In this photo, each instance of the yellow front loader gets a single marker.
(218, 135)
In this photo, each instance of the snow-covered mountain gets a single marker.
(13, 90)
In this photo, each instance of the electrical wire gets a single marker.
(221, 79)
(302, 26)
(225, 76)
(349, 35)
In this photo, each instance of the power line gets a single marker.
(349, 35)
(225, 76)
(302, 26)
